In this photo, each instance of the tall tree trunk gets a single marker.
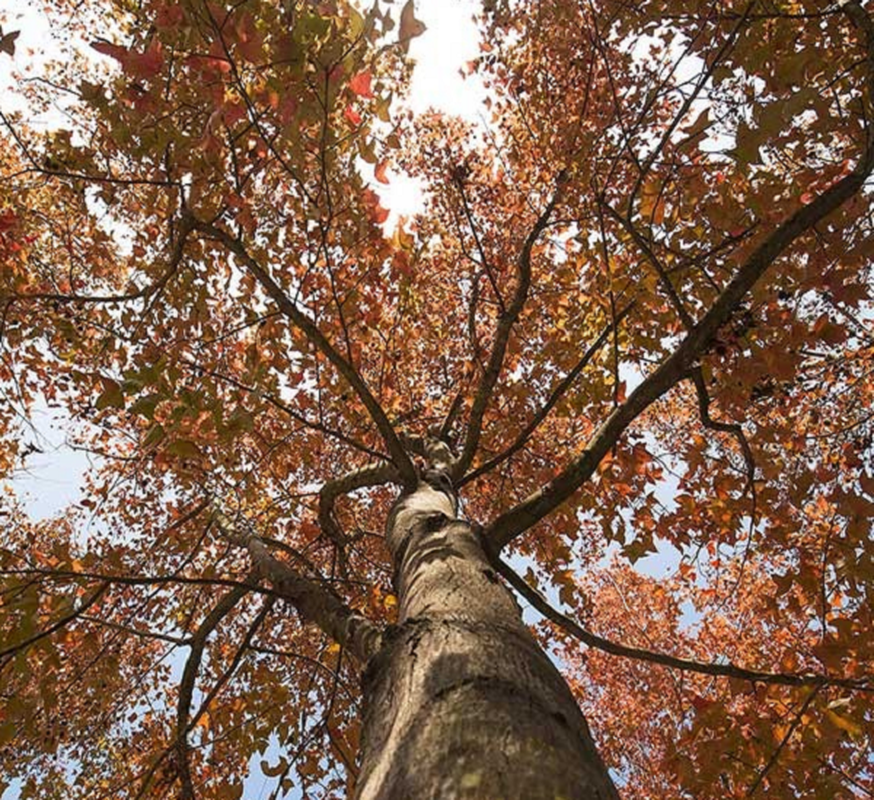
(461, 702)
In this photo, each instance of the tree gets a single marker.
(330, 449)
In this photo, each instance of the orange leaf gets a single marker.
(352, 115)
(360, 84)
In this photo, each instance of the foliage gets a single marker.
(638, 303)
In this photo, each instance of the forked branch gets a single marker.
(555, 396)
(506, 321)
(221, 609)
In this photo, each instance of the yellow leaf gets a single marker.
(843, 723)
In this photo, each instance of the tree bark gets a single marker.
(460, 701)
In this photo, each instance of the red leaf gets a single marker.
(169, 15)
(374, 210)
(147, 64)
(352, 115)
(360, 84)
(115, 51)
(8, 220)
(379, 172)
(140, 65)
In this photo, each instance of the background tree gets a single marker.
(636, 312)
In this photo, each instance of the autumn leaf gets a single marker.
(591, 426)
(410, 27)
(352, 116)
(360, 84)
(843, 723)
(185, 449)
(8, 220)
(115, 51)
(111, 396)
(7, 41)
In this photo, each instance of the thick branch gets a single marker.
(318, 605)
(506, 321)
(401, 459)
(314, 602)
(371, 475)
(675, 367)
(590, 639)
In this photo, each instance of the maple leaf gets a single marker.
(380, 172)
(115, 51)
(8, 220)
(410, 27)
(7, 41)
(352, 116)
(360, 84)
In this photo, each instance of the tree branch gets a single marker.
(189, 675)
(506, 321)
(783, 742)
(370, 475)
(399, 456)
(185, 228)
(649, 253)
(557, 393)
(675, 367)
(56, 626)
(536, 599)
(735, 429)
(314, 602)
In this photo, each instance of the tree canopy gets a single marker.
(636, 305)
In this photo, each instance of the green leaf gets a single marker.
(112, 395)
(185, 448)
(145, 406)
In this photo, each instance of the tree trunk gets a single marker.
(461, 702)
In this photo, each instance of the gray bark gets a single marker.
(460, 701)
